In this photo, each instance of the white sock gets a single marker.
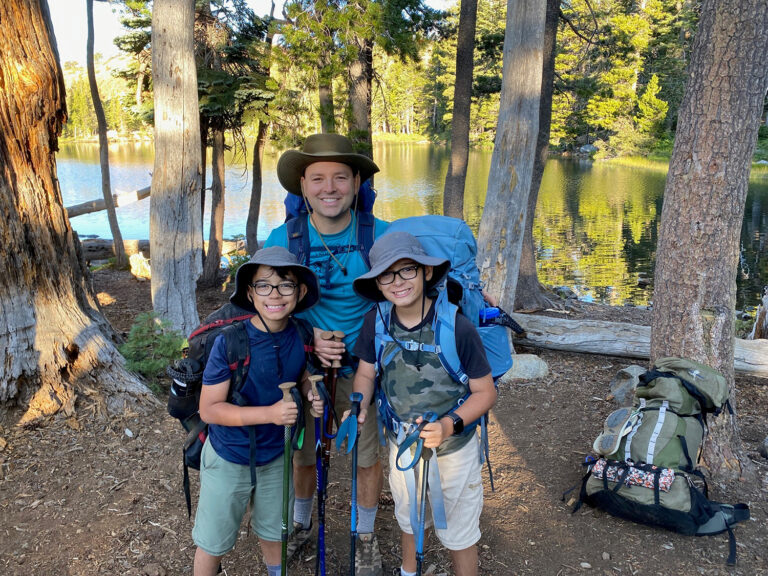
(404, 573)
(302, 511)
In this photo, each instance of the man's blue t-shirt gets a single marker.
(339, 308)
(260, 389)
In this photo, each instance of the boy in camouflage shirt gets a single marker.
(413, 382)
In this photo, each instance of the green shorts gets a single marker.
(367, 442)
(226, 492)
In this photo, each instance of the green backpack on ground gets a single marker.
(646, 468)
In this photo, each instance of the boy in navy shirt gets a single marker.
(276, 286)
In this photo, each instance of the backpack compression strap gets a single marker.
(298, 238)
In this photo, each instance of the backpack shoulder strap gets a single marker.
(238, 358)
(365, 234)
(445, 338)
(298, 238)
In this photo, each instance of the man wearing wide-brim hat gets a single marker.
(327, 173)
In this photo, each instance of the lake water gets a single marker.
(595, 229)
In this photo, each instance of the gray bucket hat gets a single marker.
(275, 257)
(321, 148)
(387, 250)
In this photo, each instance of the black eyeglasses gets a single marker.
(406, 273)
(265, 289)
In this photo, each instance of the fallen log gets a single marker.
(623, 340)
(102, 249)
(98, 205)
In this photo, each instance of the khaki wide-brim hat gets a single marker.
(321, 148)
(275, 257)
(387, 250)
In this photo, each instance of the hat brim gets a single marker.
(366, 286)
(292, 163)
(303, 275)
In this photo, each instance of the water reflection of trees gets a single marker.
(753, 261)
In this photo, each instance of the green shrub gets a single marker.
(236, 259)
(151, 345)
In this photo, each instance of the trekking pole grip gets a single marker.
(313, 380)
(286, 388)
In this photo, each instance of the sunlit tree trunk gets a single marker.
(509, 181)
(175, 221)
(453, 194)
(56, 343)
(530, 294)
(698, 249)
(121, 261)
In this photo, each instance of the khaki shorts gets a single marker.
(226, 492)
(367, 442)
(462, 486)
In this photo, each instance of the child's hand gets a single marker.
(360, 417)
(433, 434)
(317, 402)
(284, 413)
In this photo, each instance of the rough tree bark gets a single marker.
(453, 193)
(175, 224)
(57, 345)
(698, 249)
(509, 180)
(531, 294)
(121, 261)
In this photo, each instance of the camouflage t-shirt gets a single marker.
(412, 391)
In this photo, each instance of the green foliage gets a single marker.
(652, 111)
(235, 259)
(151, 345)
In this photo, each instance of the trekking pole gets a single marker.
(426, 454)
(286, 388)
(320, 559)
(348, 432)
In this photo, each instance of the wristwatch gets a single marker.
(458, 423)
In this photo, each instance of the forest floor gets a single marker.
(88, 496)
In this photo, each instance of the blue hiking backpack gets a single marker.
(451, 238)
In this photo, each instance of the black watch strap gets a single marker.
(458, 423)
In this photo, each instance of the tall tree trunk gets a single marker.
(140, 75)
(325, 95)
(204, 129)
(698, 249)
(531, 295)
(212, 265)
(175, 224)
(252, 225)
(56, 342)
(254, 207)
(509, 180)
(453, 194)
(106, 186)
(360, 77)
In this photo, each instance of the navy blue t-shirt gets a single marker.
(261, 389)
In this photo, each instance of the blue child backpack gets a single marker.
(451, 238)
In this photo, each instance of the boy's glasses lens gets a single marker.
(265, 289)
(407, 273)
